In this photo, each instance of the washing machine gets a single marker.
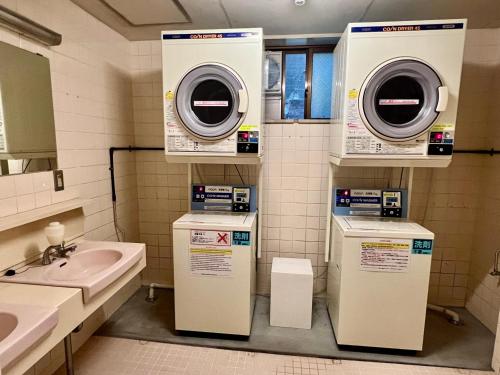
(396, 93)
(378, 270)
(213, 98)
(215, 261)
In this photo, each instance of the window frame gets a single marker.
(308, 89)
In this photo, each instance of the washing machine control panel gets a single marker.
(234, 198)
(248, 142)
(370, 202)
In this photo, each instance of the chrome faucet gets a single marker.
(495, 271)
(61, 251)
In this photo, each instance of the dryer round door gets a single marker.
(401, 99)
(211, 101)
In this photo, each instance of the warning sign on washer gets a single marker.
(211, 262)
(210, 238)
(385, 255)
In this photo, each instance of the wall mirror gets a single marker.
(27, 131)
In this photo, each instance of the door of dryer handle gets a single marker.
(442, 99)
(243, 101)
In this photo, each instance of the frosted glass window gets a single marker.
(295, 83)
(321, 85)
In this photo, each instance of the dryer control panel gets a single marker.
(370, 202)
(248, 142)
(440, 141)
(234, 198)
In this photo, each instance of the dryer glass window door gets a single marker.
(399, 100)
(211, 102)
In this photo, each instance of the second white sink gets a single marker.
(92, 267)
(21, 326)
(8, 322)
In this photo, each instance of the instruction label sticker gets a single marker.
(246, 128)
(210, 253)
(385, 255)
(241, 238)
(364, 198)
(422, 247)
(211, 103)
(169, 95)
(210, 238)
(211, 262)
(398, 101)
(442, 127)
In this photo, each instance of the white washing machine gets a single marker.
(215, 262)
(213, 98)
(396, 93)
(378, 271)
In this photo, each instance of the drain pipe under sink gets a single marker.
(454, 318)
(151, 293)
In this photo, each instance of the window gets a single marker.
(306, 84)
(295, 85)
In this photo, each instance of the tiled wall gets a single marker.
(295, 198)
(483, 289)
(92, 91)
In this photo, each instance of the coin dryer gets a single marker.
(212, 87)
(396, 93)
(215, 261)
(378, 270)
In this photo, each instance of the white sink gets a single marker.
(21, 326)
(92, 267)
(83, 265)
(8, 322)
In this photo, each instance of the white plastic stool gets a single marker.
(291, 293)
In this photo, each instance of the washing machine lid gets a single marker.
(400, 100)
(218, 220)
(380, 227)
(211, 101)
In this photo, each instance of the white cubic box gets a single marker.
(291, 293)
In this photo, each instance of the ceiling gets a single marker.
(145, 19)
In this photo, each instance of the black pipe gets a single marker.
(112, 150)
(490, 152)
(112, 162)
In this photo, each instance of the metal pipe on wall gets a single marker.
(30, 29)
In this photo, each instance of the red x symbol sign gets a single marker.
(222, 237)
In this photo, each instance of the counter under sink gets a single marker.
(92, 267)
(21, 327)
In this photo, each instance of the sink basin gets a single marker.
(8, 322)
(22, 326)
(92, 267)
(83, 265)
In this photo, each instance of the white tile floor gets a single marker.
(113, 356)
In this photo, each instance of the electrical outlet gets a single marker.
(58, 180)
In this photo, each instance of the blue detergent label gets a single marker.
(218, 196)
(241, 238)
(422, 247)
(395, 28)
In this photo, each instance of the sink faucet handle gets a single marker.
(63, 249)
(70, 247)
